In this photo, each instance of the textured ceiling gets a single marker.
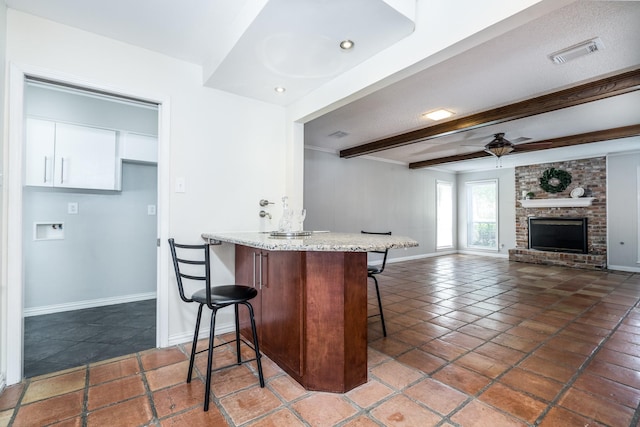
(507, 69)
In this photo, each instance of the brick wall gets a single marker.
(590, 174)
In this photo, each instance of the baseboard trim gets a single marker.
(186, 337)
(624, 268)
(79, 305)
(480, 253)
(421, 256)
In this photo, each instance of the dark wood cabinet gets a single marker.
(278, 306)
(311, 313)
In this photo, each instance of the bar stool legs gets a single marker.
(384, 327)
(211, 347)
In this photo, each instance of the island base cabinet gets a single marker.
(278, 307)
(311, 313)
(335, 336)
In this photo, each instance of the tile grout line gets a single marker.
(19, 403)
(636, 416)
(84, 415)
(148, 393)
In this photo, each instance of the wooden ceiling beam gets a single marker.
(565, 141)
(581, 94)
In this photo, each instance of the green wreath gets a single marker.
(555, 180)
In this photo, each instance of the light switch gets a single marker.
(151, 209)
(72, 208)
(180, 184)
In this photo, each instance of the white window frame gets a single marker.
(450, 185)
(470, 221)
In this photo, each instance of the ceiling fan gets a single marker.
(501, 146)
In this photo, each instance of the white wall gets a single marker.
(230, 150)
(3, 286)
(623, 211)
(108, 253)
(506, 211)
(350, 195)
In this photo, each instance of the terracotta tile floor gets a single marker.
(473, 341)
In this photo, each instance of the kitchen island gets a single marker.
(311, 308)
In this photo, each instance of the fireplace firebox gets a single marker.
(558, 234)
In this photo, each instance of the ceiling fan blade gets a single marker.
(535, 144)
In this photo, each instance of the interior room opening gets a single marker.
(89, 226)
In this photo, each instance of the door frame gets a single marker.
(12, 226)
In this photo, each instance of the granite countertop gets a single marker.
(317, 241)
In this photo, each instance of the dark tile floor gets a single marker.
(54, 342)
(472, 341)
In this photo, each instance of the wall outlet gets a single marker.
(72, 208)
(151, 209)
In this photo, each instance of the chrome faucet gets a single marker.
(265, 213)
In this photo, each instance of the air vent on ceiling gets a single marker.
(576, 51)
(338, 134)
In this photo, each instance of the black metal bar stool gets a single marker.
(372, 270)
(215, 298)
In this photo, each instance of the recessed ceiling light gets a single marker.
(438, 114)
(280, 89)
(346, 44)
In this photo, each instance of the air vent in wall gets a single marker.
(576, 51)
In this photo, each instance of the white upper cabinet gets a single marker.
(70, 156)
(41, 137)
(138, 148)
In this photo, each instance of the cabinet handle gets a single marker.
(260, 280)
(62, 170)
(254, 269)
(45, 169)
(266, 282)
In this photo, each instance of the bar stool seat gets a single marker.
(226, 295)
(196, 267)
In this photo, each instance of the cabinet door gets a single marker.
(247, 265)
(139, 148)
(282, 296)
(85, 157)
(40, 140)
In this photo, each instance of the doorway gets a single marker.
(17, 294)
(89, 226)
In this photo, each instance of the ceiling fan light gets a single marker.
(499, 146)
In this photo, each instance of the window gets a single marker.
(482, 214)
(444, 215)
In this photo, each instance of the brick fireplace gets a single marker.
(589, 174)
